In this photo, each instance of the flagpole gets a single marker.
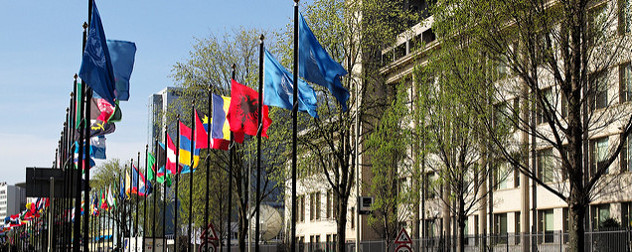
(118, 225)
(86, 184)
(153, 223)
(208, 170)
(164, 193)
(191, 175)
(101, 225)
(62, 152)
(230, 180)
(78, 218)
(259, 129)
(131, 219)
(175, 225)
(136, 201)
(110, 232)
(68, 165)
(294, 128)
(124, 213)
(146, 195)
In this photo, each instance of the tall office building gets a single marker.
(12, 199)
(158, 104)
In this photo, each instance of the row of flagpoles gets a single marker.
(106, 68)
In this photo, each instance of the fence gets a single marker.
(594, 241)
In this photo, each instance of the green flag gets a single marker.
(78, 105)
(151, 160)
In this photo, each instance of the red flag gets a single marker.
(200, 135)
(242, 113)
(171, 155)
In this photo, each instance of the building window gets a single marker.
(546, 165)
(600, 214)
(598, 154)
(430, 227)
(314, 206)
(624, 22)
(599, 88)
(625, 83)
(547, 225)
(352, 222)
(476, 227)
(430, 185)
(428, 36)
(625, 156)
(517, 222)
(564, 108)
(565, 224)
(626, 214)
(301, 208)
(301, 243)
(547, 97)
(500, 227)
(502, 176)
(516, 175)
(332, 201)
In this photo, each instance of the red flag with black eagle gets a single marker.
(242, 113)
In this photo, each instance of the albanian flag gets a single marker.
(242, 114)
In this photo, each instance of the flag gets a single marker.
(111, 198)
(94, 205)
(122, 56)
(128, 184)
(161, 164)
(100, 128)
(200, 136)
(219, 144)
(144, 187)
(242, 114)
(315, 65)
(96, 66)
(104, 202)
(171, 155)
(97, 147)
(76, 157)
(151, 161)
(278, 88)
(185, 149)
(220, 126)
(78, 105)
(122, 186)
(135, 180)
(102, 110)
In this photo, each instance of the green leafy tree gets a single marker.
(209, 66)
(388, 151)
(353, 33)
(557, 59)
(457, 139)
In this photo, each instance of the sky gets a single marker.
(40, 51)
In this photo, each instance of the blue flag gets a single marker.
(315, 65)
(122, 55)
(278, 87)
(96, 66)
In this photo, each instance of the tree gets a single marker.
(107, 174)
(456, 139)
(556, 59)
(209, 65)
(390, 162)
(354, 33)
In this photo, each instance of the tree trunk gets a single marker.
(576, 215)
(461, 218)
(243, 229)
(341, 224)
